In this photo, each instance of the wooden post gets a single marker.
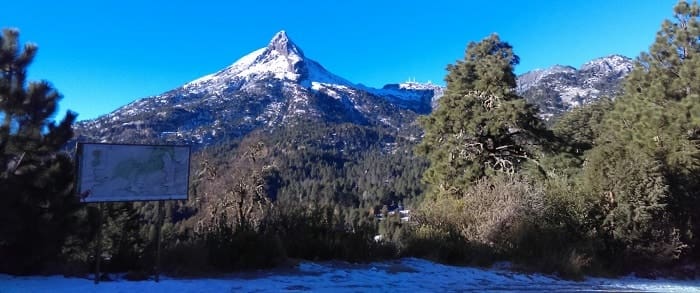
(98, 245)
(158, 236)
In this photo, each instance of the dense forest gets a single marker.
(609, 187)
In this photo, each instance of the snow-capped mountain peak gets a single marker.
(527, 80)
(561, 88)
(283, 45)
(283, 60)
(280, 59)
(616, 65)
(270, 87)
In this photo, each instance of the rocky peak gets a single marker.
(561, 88)
(562, 68)
(282, 44)
(529, 79)
(616, 64)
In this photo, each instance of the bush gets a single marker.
(535, 224)
(438, 245)
(496, 210)
(490, 213)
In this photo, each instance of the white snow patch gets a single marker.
(278, 65)
(316, 73)
(386, 121)
(569, 94)
(405, 275)
(396, 93)
(613, 63)
(332, 90)
(407, 91)
(238, 66)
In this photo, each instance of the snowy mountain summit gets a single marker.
(282, 44)
(281, 59)
(561, 88)
(269, 87)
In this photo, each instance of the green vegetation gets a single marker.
(620, 185)
(36, 181)
(611, 187)
(647, 156)
(480, 126)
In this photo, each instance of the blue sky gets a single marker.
(104, 54)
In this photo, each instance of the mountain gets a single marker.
(271, 87)
(560, 88)
(278, 121)
(416, 88)
(277, 86)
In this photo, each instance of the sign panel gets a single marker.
(120, 172)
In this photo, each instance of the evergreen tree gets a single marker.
(654, 132)
(481, 125)
(36, 180)
(582, 126)
(576, 132)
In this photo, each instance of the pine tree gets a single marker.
(36, 180)
(481, 125)
(654, 129)
(582, 126)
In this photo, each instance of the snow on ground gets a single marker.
(407, 275)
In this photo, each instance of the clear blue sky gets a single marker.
(104, 54)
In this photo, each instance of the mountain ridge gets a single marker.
(277, 84)
(560, 88)
(269, 87)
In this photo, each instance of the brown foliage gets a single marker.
(490, 213)
(235, 197)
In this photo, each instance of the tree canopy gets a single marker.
(481, 125)
(647, 157)
(35, 178)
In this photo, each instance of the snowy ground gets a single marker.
(407, 275)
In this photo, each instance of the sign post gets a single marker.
(98, 245)
(129, 172)
(158, 236)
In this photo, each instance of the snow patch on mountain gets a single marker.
(560, 88)
(617, 64)
(528, 79)
(218, 79)
(407, 91)
(268, 87)
(283, 60)
(273, 63)
(316, 73)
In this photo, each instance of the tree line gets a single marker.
(610, 187)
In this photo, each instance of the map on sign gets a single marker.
(113, 172)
